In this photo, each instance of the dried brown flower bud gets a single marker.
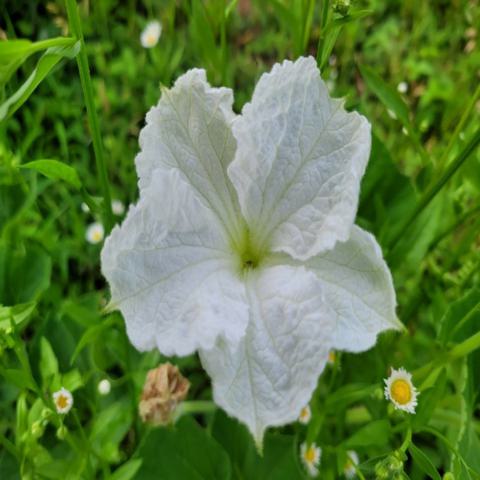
(164, 389)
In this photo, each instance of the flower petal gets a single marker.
(170, 271)
(299, 162)
(272, 373)
(189, 130)
(358, 287)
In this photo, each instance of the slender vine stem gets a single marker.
(435, 187)
(86, 81)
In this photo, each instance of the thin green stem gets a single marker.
(86, 81)
(437, 186)
(460, 125)
(323, 24)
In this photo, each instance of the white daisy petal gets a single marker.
(170, 271)
(271, 375)
(299, 162)
(310, 456)
(63, 401)
(352, 461)
(94, 233)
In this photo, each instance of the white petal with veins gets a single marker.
(299, 161)
(272, 373)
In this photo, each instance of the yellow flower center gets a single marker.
(310, 455)
(304, 413)
(62, 401)
(401, 391)
(331, 356)
(151, 39)
(97, 236)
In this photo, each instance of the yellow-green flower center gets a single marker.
(401, 391)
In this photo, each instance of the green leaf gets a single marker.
(17, 377)
(387, 95)
(459, 316)
(375, 433)
(55, 170)
(20, 314)
(48, 362)
(184, 451)
(348, 394)
(14, 52)
(423, 462)
(127, 471)
(47, 61)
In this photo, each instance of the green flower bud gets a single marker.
(448, 476)
(37, 429)
(62, 432)
(46, 414)
(341, 7)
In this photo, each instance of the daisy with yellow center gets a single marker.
(305, 415)
(151, 33)
(311, 455)
(400, 390)
(95, 233)
(349, 469)
(63, 400)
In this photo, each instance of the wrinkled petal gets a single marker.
(299, 162)
(358, 287)
(170, 271)
(272, 373)
(189, 130)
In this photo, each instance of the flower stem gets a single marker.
(433, 190)
(86, 81)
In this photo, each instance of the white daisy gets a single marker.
(400, 390)
(402, 87)
(63, 400)
(311, 458)
(104, 387)
(95, 233)
(305, 415)
(150, 34)
(352, 460)
(118, 208)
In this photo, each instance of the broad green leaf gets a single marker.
(387, 95)
(24, 274)
(109, 428)
(279, 459)
(423, 462)
(72, 380)
(127, 471)
(185, 451)
(48, 361)
(374, 433)
(20, 314)
(47, 61)
(460, 315)
(349, 394)
(17, 377)
(14, 52)
(55, 170)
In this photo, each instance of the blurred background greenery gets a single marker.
(412, 67)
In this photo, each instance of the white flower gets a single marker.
(305, 415)
(400, 390)
(242, 244)
(349, 468)
(118, 208)
(150, 34)
(95, 233)
(104, 387)
(402, 87)
(85, 208)
(310, 456)
(63, 400)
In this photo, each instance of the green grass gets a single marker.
(420, 197)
